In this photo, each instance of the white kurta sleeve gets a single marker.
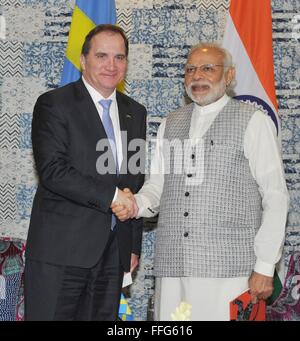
(261, 148)
(148, 197)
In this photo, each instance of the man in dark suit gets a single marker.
(77, 251)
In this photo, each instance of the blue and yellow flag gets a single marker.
(87, 14)
(124, 310)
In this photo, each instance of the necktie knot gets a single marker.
(105, 103)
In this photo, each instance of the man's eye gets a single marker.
(121, 57)
(190, 69)
(207, 68)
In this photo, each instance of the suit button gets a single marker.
(189, 175)
(186, 214)
(193, 156)
(186, 194)
(185, 234)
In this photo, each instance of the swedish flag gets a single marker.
(124, 310)
(87, 14)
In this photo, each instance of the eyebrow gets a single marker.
(105, 54)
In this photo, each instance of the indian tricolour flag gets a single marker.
(248, 36)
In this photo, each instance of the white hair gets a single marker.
(227, 59)
(211, 45)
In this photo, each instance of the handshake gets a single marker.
(124, 206)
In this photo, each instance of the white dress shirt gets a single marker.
(114, 115)
(262, 150)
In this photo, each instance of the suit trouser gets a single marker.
(54, 292)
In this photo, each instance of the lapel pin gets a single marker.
(128, 116)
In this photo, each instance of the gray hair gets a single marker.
(227, 59)
(211, 45)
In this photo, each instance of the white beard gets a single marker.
(216, 92)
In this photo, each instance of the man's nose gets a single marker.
(198, 74)
(111, 64)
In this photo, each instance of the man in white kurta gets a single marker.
(208, 73)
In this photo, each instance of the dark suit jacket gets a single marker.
(70, 219)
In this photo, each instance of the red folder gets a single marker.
(242, 309)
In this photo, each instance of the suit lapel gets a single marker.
(87, 107)
(126, 119)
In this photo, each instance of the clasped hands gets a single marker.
(125, 207)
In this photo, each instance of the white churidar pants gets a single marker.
(209, 297)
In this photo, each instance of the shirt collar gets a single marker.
(212, 107)
(96, 96)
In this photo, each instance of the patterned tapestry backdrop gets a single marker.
(33, 35)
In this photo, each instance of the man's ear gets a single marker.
(230, 75)
(82, 62)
